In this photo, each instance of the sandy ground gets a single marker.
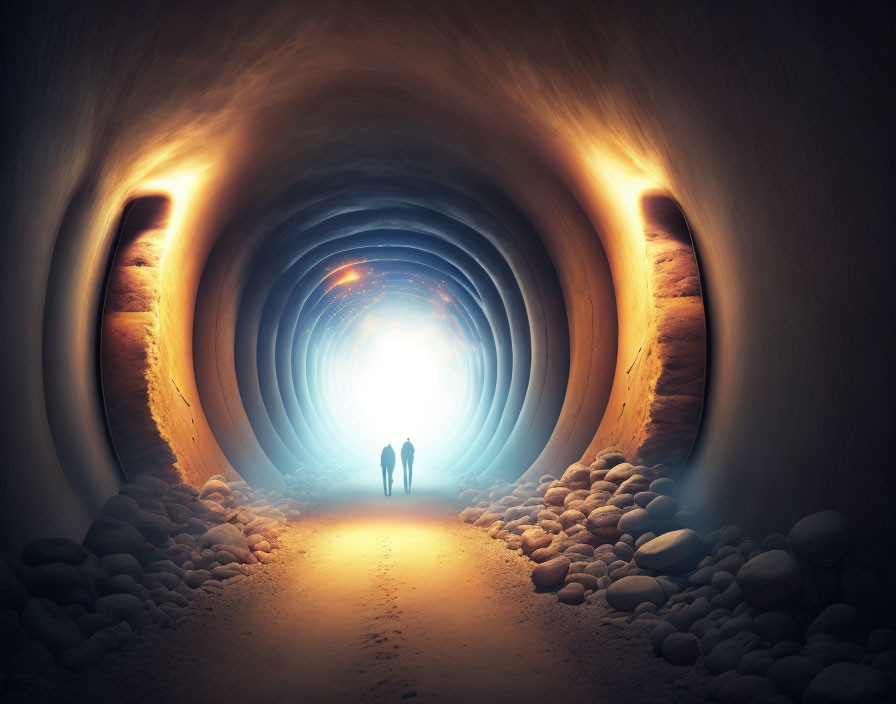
(383, 600)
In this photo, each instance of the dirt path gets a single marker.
(378, 600)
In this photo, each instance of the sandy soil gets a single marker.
(382, 600)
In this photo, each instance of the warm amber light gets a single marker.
(348, 278)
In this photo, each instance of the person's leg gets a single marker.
(404, 473)
(410, 472)
(385, 491)
(390, 480)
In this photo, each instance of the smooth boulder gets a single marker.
(676, 549)
(769, 579)
(821, 539)
(551, 573)
(628, 593)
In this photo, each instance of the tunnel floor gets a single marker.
(376, 599)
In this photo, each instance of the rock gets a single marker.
(108, 536)
(196, 578)
(551, 573)
(121, 563)
(570, 517)
(659, 634)
(676, 550)
(623, 551)
(602, 523)
(837, 619)
(635, 522)
(544, 554)
(120, 507)
(769, 579)
(152, 526)
(556, 495)
(793, 673)
(222, 572)
(44, 621)
(533, 539)
(821, 539)
(576, 476)
(741, 690)
(663, 485)
(12, 594)
(83, 656)
(629, 592)
(730, 598)
(685, 617)
(215, 486)
(156, 486)
(724, 656)
(662, 508)
(597, 569)
(845, 683)
(573, 594)
(119, 607)
(882, 639)
(31, 660)
(681, 648)
(263, 525)
(717, 682)
(620, 473)
(47, 550)
(262, 546)
(55, 578)
(468, 515)
(776, 626)
(224, 534)
(588, 581)
(89, 624)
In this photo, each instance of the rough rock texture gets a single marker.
(768, 617)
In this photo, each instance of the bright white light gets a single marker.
(404, 377)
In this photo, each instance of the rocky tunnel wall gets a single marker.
(550, 159)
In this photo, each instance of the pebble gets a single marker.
(724, 656)
(53, 550)
(776, 626)
(121, 563)
(676, 549)
(635, 522)
(629, 592)
(836, 619)
(845, 683)
(573, 593)
(662, 507)
(744, 689)
(223, 534)
(770, 579)
(681, 648)
(119, 607)
(551, 573)
(44, 621)
(659, 634)
(821, 539)
(108, 536)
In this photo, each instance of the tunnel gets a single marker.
(578, 247)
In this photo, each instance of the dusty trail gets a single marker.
(379, 600)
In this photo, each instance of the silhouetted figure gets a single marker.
(407, 463)
(387, 462)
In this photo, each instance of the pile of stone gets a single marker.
(794, 618)
(153, 550)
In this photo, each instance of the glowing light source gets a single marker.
(348, 277)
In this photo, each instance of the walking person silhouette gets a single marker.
(407, 463)
(387, 462)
